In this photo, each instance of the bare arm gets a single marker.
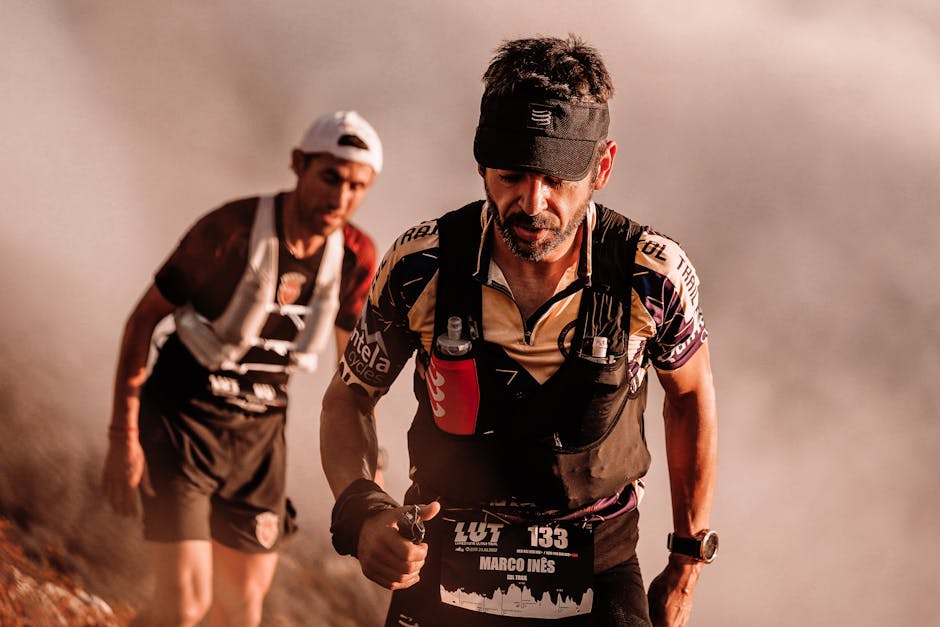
(342, 338)
(691, 428)
(348, 439)
(348, 450)
(132, 359)
(124, 464)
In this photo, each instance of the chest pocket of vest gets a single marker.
(594, 388)
(595, 393)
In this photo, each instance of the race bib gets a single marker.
(520, 569)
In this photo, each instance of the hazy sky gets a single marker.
(792, 147)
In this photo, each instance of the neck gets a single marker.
(534, 282)
(297, 236)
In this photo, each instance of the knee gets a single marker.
(242, 607)
(176, 610)
(253, 603)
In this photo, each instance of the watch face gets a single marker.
(710, 546)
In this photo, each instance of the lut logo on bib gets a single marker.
(454, 394)
(516, 569)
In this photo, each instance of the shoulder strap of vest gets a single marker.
(246, 312)
(458, 294)
(218, 345)
(614, 242)
(323, 305)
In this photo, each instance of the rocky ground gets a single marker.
(35, 593)
(312, 588)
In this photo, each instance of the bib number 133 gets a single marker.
(548, 537)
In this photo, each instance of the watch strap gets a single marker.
(684, 546)
(703, 547)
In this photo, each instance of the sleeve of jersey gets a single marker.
(383, 341)
(357, 279)
(668, 289)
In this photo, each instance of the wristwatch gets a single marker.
(703, 547)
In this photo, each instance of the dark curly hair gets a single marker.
(548, 67)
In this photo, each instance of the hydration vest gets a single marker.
(220, 344)
(576, 438)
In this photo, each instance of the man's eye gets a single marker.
(510, 178)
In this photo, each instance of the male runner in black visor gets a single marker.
(535, 315)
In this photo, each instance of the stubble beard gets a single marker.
(536, 251)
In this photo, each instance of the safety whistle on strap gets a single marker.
(410, 525)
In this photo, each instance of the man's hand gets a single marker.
(386, 557)
(123, 470)
(670, 593)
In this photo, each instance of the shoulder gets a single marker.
(238, 212)
(221, 229)
(359, 245)
(660, 254)
(411, 261)
(655, 252)
(232, 218)
(420, 241)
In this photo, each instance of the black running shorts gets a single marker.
(214, 477)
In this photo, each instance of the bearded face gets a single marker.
(532, 228)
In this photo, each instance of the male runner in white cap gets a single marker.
(256, 288)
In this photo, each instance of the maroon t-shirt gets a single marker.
(205, 269)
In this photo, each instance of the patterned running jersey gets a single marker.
(666, 325)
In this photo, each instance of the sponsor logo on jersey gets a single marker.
(266, 529)
(289, 289)
(415, 233)
(367, 356)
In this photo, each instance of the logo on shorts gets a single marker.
(289, 289)
(266, 529)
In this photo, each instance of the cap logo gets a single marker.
(540, 118)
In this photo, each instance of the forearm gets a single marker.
(131, 372)
(692, 456)
(129, 377)
(348, 438)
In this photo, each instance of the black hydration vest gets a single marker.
(570, 441)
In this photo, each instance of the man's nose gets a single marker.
(341, 196)
(534, 198)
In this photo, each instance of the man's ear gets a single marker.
(481, 170)
(297, 159)
(606, 165)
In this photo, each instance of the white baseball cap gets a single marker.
(346, 135)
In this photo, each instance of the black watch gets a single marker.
(703, 547)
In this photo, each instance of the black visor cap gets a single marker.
(553, 137)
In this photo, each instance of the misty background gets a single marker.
(791, 146)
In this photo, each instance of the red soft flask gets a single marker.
(452, 383)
